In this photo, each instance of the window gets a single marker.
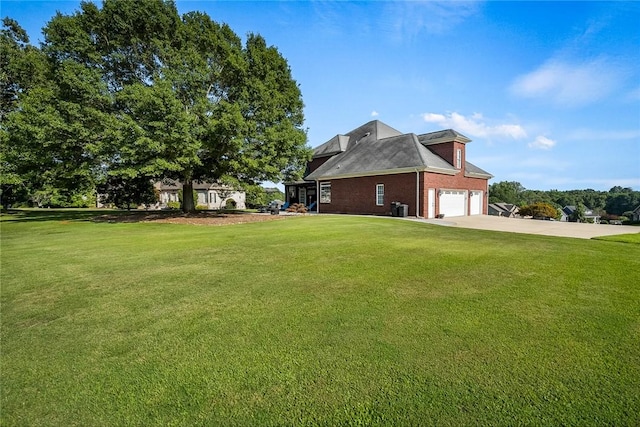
(380, 194)
(459, 158)
(325, 192)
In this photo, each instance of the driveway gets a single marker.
(531, 226)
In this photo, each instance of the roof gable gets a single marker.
(372, 130)
(373, 156)
(335, 145)
(376, 148)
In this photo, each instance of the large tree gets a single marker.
(22, 67)
(506, 192)
(138, 91)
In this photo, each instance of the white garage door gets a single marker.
(452, 203)
(476, 203)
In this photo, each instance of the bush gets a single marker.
(202, 207)
(604, 221)
(230, 204)
(540, 210)
(173, 205)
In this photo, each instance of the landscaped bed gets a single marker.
(316, 320)
(198, 218)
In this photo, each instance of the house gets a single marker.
(367, 169)
(636, 214)
(211, 195)
(506, 210)
(589, 215)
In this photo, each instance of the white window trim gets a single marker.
(459, 158)
(379, 195)
(325, 193)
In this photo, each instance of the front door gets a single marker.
(476, 203)
(302, 196)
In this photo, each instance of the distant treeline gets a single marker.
(617, 201)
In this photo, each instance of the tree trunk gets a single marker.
(188, 204)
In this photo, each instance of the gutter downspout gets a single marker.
(417, 194)
(317, 196)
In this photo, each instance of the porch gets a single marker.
(304, 192)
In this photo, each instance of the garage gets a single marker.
(452, 202)
(475, 203)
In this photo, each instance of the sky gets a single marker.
(548, 92)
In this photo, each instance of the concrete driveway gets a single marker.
(532, 226)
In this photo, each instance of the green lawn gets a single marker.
(314, 320)
(625, 238)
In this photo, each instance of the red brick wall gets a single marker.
(456, 182)
(447, 151)
(358, 195)
(316, 163)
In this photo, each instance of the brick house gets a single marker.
(364, 171)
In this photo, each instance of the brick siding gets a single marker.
(358, 195)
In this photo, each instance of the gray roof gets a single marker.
(372, 130)
(335, 145)
(376, 148)
(570, 209)
(441, 136)
(379, 156)
(504, 207)
(474, 171)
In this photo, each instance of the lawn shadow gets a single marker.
(41, 215)
(107, 215)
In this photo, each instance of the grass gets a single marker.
(316, 320)
(624, 238)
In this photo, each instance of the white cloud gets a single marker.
(569, 84)
(374, 113)
(410, 18)
(475, 125)
(542, 142)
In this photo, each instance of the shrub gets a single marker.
(604, 221)
(536, 210)
(202, 207)
(173, 205)
(230, 204)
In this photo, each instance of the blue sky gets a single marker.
(549, 92)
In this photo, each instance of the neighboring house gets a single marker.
(211, 195)
(507, 210)
(567, 211)
(364, 171)
(636, 214)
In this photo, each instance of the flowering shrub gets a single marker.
(536, 210)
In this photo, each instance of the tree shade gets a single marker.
(134, 90)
